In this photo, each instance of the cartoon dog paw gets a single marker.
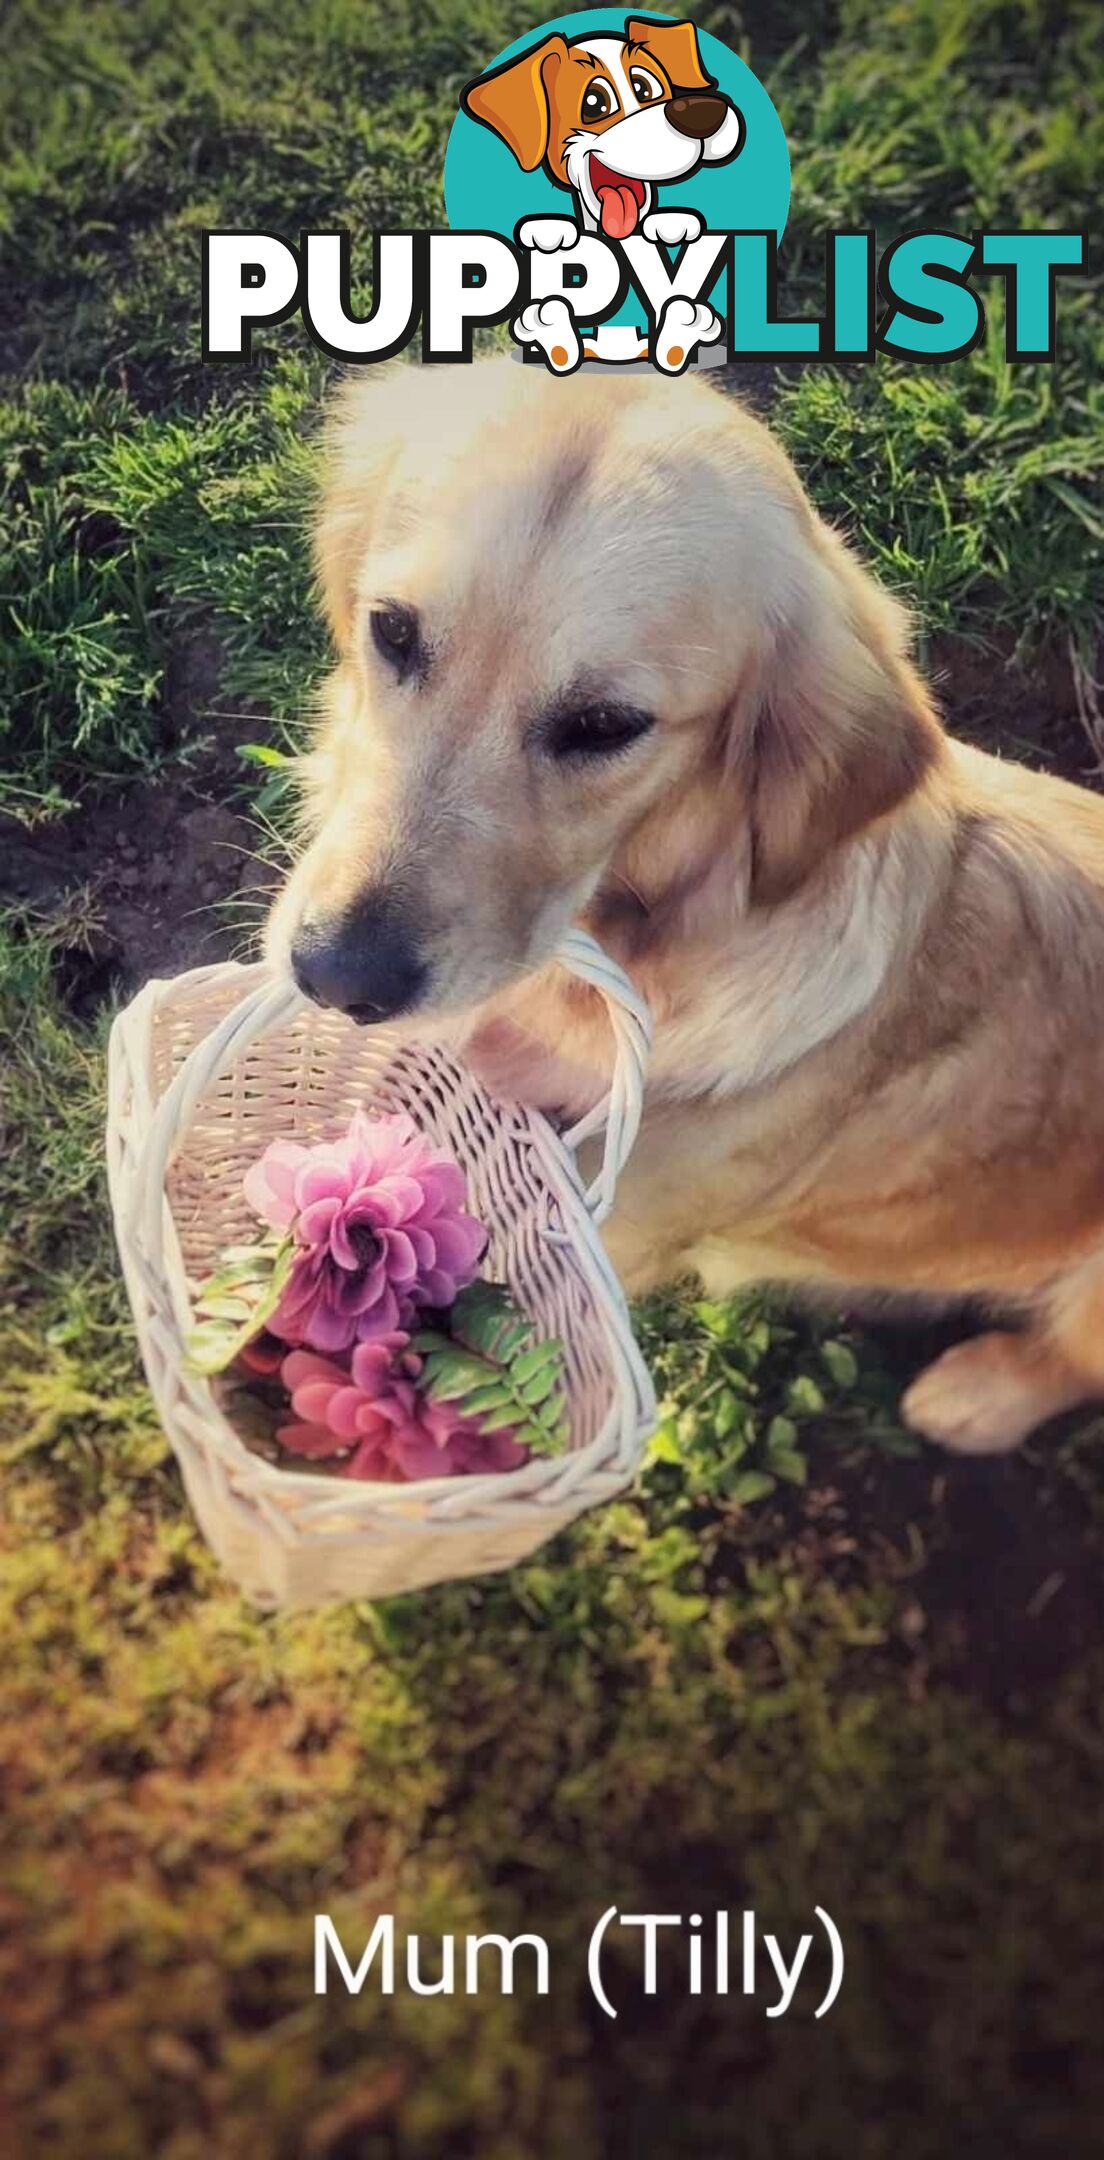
(549, 234)
(671, 227)
(683, 326)
(548, 323)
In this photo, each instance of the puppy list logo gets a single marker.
(604, 144)
(616, 187)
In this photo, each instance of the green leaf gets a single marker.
(541, 1386)
(781, 1433)
(787, 1463)
(542, 1442)
(536, 1361)
(718, 1320)
(227, 1308)
(841, 1362)
(490, 1367)
(220, 1335)
(664, 1445)
(804, 1396)
(248, 1261)
(452, 1373)
(1073, 501)
(677, 1608)
(752, 1485)
(510, 1340)
(256, 753)
(500, 1420)
(727, 1413)
(736, 1447)
(492, 1396)
(211, 1346)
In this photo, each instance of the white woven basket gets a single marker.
(203, 1071)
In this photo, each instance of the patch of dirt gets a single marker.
(1004, 1569)
(1029, 714)
(134, 885)
(998, 1562)
(134, 882)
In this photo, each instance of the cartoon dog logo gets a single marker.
(611, 119)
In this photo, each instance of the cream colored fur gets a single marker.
(875, 956)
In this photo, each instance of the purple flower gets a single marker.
(379, 1216)
(374, 1417)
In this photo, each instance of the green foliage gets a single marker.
(973, 489)
(489, 1363)
(141, 497)
(123, 532)
(237, 1300)
(746, 1390)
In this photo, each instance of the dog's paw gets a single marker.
(549, 234)
(671, 227)
(683, 326)
(548, 323)
(976, 1399)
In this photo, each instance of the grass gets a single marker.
(805, 1663)
(975, 490)
(141, 494)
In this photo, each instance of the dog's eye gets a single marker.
(395, 634)
(645, 87)
(598, 100)
(586, 731)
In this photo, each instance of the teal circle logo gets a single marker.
(489, 189)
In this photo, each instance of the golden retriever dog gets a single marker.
(600, 661)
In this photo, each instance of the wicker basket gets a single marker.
(202, 1072)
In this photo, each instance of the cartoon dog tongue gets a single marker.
(618, 208)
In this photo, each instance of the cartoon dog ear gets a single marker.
(675, 46)
(514, 101)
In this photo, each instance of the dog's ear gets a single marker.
(515, 101)
(675, 46)
(835, 729)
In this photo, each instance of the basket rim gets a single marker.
(445, 1503)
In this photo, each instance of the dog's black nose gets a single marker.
(364, 962)
(697, 114)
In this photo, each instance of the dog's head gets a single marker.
(610, 117)
(592, 640)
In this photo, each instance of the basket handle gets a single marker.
(619, 1111)
(270, 1005)
(274, 1002)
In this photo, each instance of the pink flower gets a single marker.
(374, 1416)
(379, 1215)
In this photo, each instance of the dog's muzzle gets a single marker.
(364, 962)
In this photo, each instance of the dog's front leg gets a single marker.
(517, 1065)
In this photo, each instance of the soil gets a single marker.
(1004, 1569)
(158, 875)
